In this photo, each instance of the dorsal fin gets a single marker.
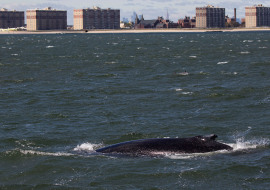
(212, 136)
(208, 137)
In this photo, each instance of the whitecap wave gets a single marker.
(178, 89)
(83, 148)
(34, 152)
(187, 93)
(242, 144)
(222, 63)
(248, 41)
(111, 62)
(86, 147)
(265, 100)
(183, 73)
(245, 52)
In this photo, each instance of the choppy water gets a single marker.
(63, 96)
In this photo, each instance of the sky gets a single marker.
(150, 9)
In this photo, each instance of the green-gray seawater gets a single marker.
(63, 96)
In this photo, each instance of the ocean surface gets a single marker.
(64, 96)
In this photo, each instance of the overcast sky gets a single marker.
(151, 9)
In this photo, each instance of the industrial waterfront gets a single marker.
(97, 18)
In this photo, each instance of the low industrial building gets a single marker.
(46, 19)
(96, 18)
(160, 22)
(11, 19)
(187, 22)
(257, 16)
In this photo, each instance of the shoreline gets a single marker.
(137, 31)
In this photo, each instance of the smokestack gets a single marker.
(168, 17)
(235, 14)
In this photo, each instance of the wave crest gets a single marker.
(242, 144)
(86, 147)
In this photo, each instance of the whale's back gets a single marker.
(197, 144)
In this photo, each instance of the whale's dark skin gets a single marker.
(197, 144)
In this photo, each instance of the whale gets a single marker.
(163, 146)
